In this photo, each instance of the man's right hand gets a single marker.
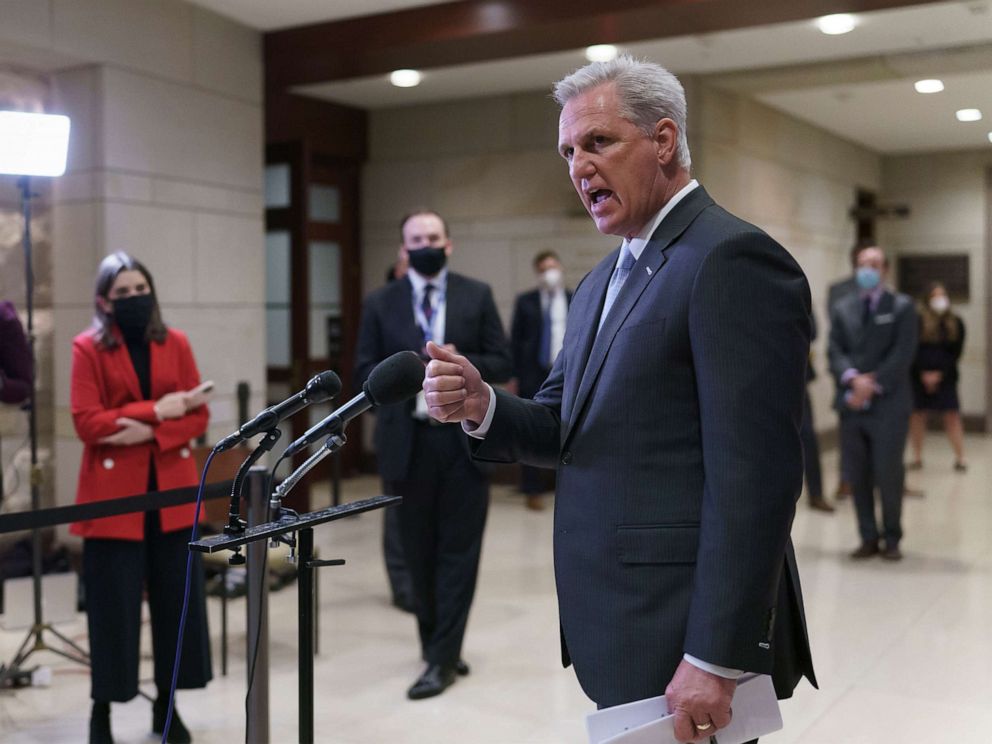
(454, 388)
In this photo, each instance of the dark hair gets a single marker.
(106, 274)
(417, 213)
(861, 245)
(544, 256)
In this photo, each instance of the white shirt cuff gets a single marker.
(713, 668)
(480, 431)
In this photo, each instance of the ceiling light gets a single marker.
(969, 115)
(838, 23)
(601, 52)
(928, 86)
(990, 136)
(405, 78)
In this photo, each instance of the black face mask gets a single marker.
(427, 261)
(132, 315)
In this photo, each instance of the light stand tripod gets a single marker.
(14, 672)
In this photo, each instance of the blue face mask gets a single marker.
(868, 278)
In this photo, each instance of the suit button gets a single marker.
(184, 452)
(566, 458)
(108, 464)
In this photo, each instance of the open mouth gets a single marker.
(597, 196)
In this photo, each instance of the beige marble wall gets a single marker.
(949, 213)
(165, 161)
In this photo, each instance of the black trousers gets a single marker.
(872, 448)
(442, 518)
(392, 551)
(115, 573)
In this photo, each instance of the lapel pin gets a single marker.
(648, 269)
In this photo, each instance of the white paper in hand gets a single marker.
(606, 723)
(756, 713)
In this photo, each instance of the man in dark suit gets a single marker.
(872, 345)
(835, 292)
(445, 495)
(536, 335)
(672, 415)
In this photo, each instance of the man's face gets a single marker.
(425, 231)
(549, 263)
(614, 166)
(872, 258)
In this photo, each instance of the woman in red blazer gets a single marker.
(136, 406)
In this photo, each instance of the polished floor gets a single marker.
(902, 650)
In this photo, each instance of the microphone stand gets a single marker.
(236, 525)
(285, 522)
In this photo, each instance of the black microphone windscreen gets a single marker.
(324, 386)
(395, 379)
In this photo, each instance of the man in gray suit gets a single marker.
(672, 415)
(836, 292)
(872, 345)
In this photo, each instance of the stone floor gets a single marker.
(902, 650)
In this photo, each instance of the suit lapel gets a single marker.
(402, 309)
(598, 280)
(122, 359)
(646, 268)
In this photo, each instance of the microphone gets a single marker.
(393, 380)
(320, 388)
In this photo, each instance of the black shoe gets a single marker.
(867, 550)
(961, 466)
(462, 668)
(178, 733)
(100, 724)
(435, 680)
(821, 504)
(892, 553)
(404, 603)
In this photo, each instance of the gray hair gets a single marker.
(647, 92)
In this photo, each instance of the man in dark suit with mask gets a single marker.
(672, 415)
(536, 335)
(445, 494)
(872, 345)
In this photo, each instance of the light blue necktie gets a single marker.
(620, 274)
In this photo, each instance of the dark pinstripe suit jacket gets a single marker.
(472, 324)
(675, 433)
(886, 346)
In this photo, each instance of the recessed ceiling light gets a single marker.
(405, 78)
(928, 86)
(838, 23)
(601, 52)
(968, 115)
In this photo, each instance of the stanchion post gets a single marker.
(257, 725)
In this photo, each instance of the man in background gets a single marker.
(536, 336)
(445, 494)
(872, 345)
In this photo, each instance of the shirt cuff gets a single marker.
(480, 431)
(713, 668)
(849, 374)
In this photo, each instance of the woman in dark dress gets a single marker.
(935, 374)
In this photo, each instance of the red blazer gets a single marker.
(105, 388)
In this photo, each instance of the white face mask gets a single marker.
(551, 278)
(939, 304)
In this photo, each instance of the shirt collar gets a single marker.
(419, 282)
(636, 244)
